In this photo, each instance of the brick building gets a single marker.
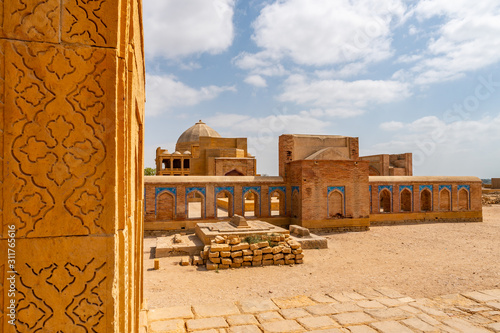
(322, 183)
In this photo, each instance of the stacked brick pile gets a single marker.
(234, 253)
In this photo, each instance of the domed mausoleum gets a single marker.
(201, 151)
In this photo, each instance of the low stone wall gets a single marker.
(265, 250)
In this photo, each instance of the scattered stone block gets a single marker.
(297, 230)
(157, 264)
(185, 261)
(197, 260)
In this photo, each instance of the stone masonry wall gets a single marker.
(71, 124)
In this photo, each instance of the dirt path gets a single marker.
(418, 260)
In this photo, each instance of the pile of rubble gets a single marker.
(264, 250)
(491, 198)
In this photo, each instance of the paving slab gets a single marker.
(293, 302)
(322, 298)
(265, 317)
(389, 313)
(353, 318)
(480, 297)
(294, 313)
(206, 323)
(464, 326)
(389, 292)
(419, 325)
(173, 312)
(495, 327)
(257, 305)
(242, 319)
(314, 323)
(285, 326)
(366, 304)
(321, 309)
(391, 327)
(361, 329)
(215, 309)
(167, 326)
(245, 329)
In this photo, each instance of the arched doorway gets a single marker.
(406, 200)
(195, 204)
(463, 199)
(251, 204)
(234, 172)
(426, 201)
(385, 201)
(335, 204)
(224, 204)
(165, 206)
(277, 202)
(445, 200)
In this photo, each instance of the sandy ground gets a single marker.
(418, 260)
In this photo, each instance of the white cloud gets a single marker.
(467, 40)
(322, 32)
(392, 126)
(175, 28)
(256, 80)
(341, 97)
(437, 145)
(165, 92)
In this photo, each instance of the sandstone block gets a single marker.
(224, 254)
(204, 254)
(175, 326)
(221, 266)
(254, 246)
(278, 256)
(277, 249)
(247, 252)
(242, 319)
(267, 262)
(298, 251)
(263, 244)
(248, 258)
(156, 264)
(214, 260)
(299, 256)
(267, 257)
(267, 249)
(206, 323)
(220, 247)
(219, 240)
(236, 254)
(240, 247)
(235, 241)
(287, 250)
(279, 262)
(215, 309)
(238, 260)
(257, 258)
(289, 256)
(226, 261)
(235, 265)
(256, 263)
(316, 323)
(185, 261)
(213, 254)
(289, 262)
(282, 326)
(246, 263)
(257, 252)
(211, 266)
(197, 260)
(299, 261)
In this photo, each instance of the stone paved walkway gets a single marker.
(360, 311)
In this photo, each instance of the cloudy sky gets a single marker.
(403, 76)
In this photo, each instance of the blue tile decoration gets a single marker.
(467, 187)
(280, 188)
(381, 187)
(445, 186)
(251, 188)
(341, 189)
(402, 187)
(218, 189)
(423, 187)
(295, 188)
(247, 189)
(199, 189)
(171, 190)
(202, 190)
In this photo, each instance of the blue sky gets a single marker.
(403, 76)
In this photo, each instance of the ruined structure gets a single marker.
(322, 183)
(201, 151)
(71, 123)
